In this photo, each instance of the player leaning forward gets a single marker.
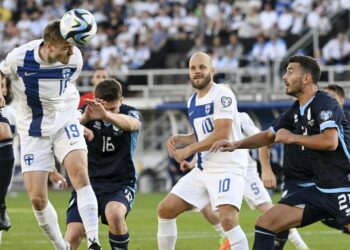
(43, 73)
(218, 178)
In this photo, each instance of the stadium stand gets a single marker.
(146, 45)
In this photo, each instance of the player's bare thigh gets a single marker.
(5, 131)
(275, 219)
(36, 185)
(75, 234)
(75, 163)
(172, 206)
(115, 214)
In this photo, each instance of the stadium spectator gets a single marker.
(268, 19)
(323, 146)
(141, 54)
(257, 52)
(158, 37)
(199, 186)
(337, 50)
(275, 49)
(298, 25)
(99, 75)
(199, 46)
(250, 27)
(48, 126)
(285, 21)
(234, 20)
(112, 173)
(235, 46)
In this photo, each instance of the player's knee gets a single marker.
(116, 219)
(39, 202)
(74, 239)
(164, 211)
(261, 221)
(228, 222)
(79, 178)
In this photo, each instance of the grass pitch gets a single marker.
(193, 231)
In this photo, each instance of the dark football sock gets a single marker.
(119, 241)
(7, 160)
(264, 239)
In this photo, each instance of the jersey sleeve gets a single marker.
(78, 59)
(248, 126)
(8, 65)
(285, 120)
(328, 113)
(131, 111)
(225, 105)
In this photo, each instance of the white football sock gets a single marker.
(167, 234)
(48, 222)
(218, 228)
(237, 238)
(87, 206)
(296, 239)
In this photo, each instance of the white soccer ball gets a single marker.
(78, 26)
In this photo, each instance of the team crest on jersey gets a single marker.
(326, 114)
(28, 159)
(207, 109)
(66, 73)
(97, 125)
(226, 101)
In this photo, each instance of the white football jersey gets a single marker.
(218, 103)
(248, 129)
(45, 93)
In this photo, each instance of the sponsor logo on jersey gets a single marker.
(29, 73)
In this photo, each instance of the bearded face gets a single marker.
(201, 80)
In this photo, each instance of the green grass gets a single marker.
(193, 231)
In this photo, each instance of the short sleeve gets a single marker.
(285, 120)
(248, 126)
(225, 105)
(78, 60)
(8, 65)
(327, 112)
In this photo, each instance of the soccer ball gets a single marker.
(78, 26)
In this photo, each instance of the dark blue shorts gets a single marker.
(318, 205)
(291, 187)
(124, 195)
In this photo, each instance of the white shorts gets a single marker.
(198, 188)
(255, 194)
(37, 153)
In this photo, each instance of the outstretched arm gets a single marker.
(327, 140)
(258, 140)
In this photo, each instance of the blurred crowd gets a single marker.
(131, 32)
